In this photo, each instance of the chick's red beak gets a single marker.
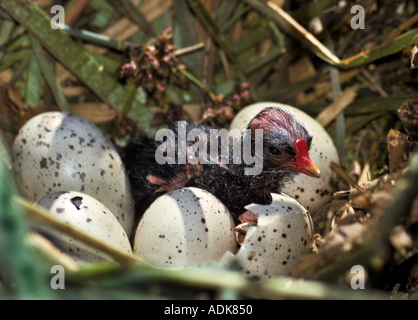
(303, 163)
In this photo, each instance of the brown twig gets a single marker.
(335, 108)
(397, 146)
(407, 24)
(74, 12)
(373, 83)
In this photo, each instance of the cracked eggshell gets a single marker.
(282, 237)
(312, 192)
(57, 151)
(86, 214)
(184, 228)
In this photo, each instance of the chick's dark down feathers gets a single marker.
(224, 179)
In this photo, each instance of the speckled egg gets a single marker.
(282, 237)
(183, 228)
(57, 151)
(86, 214)
(312, 192)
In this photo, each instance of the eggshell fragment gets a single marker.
(312, 192)
(86, 214)
(184, 228)
(282, 237)
(57, 151)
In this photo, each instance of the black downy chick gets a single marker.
(285, 145)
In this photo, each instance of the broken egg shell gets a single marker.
(312, 192)
(282, 237)
(183, 228)
(58, 151)
(86, 214)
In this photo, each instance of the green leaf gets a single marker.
(185, 35)
(6, 28)
(103, 15)
(135, 15)
(33, 86)
(20, 267)
(49, 76)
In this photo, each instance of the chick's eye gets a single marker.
(274, 151)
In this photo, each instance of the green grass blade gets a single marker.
(94, 38)
(185, 35)
(20, 268)
(49, 76)
(135, 15)
(209, 23)
(288, 24)
(6, 28)
(381, 51)
(310, 9)
(33, 86)
(4, 154)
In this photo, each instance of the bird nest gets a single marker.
(134, 66)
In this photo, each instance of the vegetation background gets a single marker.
(132, 66)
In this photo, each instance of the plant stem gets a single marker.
(198, 83)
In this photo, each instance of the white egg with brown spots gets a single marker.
(184, 228)
(57, 151)
(312, 192)
(86, 214)
(282, 237)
